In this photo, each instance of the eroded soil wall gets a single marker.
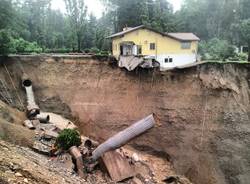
(204, 110)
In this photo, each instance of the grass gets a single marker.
(227, 62)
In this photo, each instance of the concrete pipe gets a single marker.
(32, 107)
(43, 118)
(89, 143)
(76, 154)
(124, 136)
(29, 124)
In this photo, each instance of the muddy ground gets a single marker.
(204, 110)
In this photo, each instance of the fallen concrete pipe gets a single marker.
(32, 107)
(26, 82)
(124, 136)
(89, 143)
(43, 118)
(76, 154)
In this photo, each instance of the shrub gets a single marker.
(23, 46)
(58, 50)
(94, 50)
(239, 57)
(68, 138)
(216, 49)
(87, 51)
(104, 53)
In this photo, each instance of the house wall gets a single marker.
(165, 47)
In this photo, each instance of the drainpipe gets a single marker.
(124, 136)
(32, 107)
(43, 118)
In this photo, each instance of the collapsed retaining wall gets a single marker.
(204, 110)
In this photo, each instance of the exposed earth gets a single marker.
(204, 110)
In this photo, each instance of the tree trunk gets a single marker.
(79, 42)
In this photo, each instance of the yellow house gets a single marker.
(168, 49)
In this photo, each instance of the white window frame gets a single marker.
(186, 45)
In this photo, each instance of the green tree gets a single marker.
(154, 13)
(5, 42)
(245, 34)
(89, 38)
(6, 13)
(216, 49)
(77, 12)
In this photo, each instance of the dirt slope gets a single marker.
(21, 165)
(204, 110)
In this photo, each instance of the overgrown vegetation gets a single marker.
(32, 26)
(68, 138)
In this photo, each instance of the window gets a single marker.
(152, 46)
(185, 45)
(168, 60)
(139, 49)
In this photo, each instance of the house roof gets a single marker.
(184, 36)
(176, 36)
(126, 31)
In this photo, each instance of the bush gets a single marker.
(94, 50)
(68, 138)
(216, 49)
(59, 50)
(87, 51)
(239, 57)
(23, 46)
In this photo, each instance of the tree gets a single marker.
(5, 42)
(89, 38)
(154, 13)
(77, 12)
(216, 49)
(6, 13)
(245, 33)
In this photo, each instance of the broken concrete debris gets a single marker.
(50, 134)
(117, 166)
(176, 180)
(35, 122)
(29, 124)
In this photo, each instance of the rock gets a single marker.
(18, 174)
(146, 180)
(25, 180)
(135, 157)
(41, 148)
(49, 134)
(136, 181)
(14, 167)
(35, 123)
(9, 172)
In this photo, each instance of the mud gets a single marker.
(204, 110)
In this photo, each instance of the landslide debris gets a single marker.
(21, 165)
